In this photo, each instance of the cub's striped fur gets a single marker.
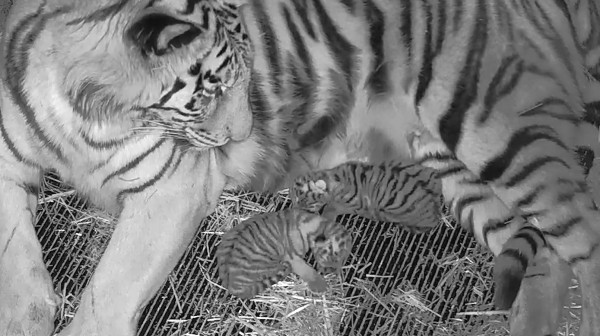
(390, 191)
(262, 250)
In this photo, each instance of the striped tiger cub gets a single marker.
(390, 191)
(262, 250)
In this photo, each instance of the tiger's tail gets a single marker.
(517, 254)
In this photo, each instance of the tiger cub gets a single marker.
(390, 191)
(262, 250)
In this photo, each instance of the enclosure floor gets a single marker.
(395, 282)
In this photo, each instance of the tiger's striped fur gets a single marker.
(390, 191)
(264, 249)
(186, 110)
(502, 86)
(517, 253)
(499, 84)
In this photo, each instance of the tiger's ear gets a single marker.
(159, 33)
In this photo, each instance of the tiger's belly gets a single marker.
(375, 132)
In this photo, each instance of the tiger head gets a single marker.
(181, 66)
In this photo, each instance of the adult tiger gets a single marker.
(500, 85)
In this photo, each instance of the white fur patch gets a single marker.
(319, 186)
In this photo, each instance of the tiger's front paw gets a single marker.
(27, 315)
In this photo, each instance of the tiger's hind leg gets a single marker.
(536, 172)
(476, 207)
(540, 289)
(28, 302)
(570, 220)
(537, 309)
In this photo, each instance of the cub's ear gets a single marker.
(159, 33)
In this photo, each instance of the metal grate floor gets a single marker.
(395, 283)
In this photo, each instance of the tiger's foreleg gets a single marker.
(479, 210)
(154, 228)
(27, 299)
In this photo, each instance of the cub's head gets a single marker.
(181, 65)
(332, 249)
(330, 242)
